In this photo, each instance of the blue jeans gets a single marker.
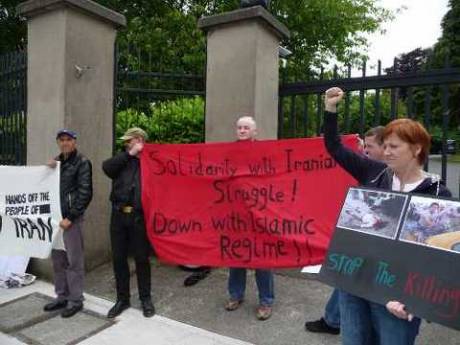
(332, 311)
(367, 323)
(264, 280)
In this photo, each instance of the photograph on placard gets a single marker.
(432, 222)
(373, 212)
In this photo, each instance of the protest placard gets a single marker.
(397, 246)
(242, 204)
(29, 210)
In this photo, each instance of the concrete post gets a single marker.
(242, 71)
(70, 85)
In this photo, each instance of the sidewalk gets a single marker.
(185, 315)
(23, 318)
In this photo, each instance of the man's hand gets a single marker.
(65, 224)
(136, 149)
(332, 97)
(52, 163)
(399, 310)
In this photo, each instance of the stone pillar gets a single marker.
(70, 85)
(242, 71)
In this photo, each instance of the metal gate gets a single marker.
(374, 100)
(148, 96)
(13, 107)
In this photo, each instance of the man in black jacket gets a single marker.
(127, 227)
(76, 191)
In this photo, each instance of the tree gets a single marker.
(12, 30)
(413, 61)
(323, 30)
(447, 49)
(448, 45)
(167, 36)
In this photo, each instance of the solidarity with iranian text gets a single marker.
(244, 204)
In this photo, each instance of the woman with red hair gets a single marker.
(406, 148)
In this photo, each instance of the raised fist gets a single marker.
(332, 97)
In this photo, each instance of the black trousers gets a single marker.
(128, 237)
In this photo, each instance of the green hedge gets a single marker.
(175, 121)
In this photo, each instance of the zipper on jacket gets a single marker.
(70, 200)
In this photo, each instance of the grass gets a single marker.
(453, 158)
(450, 158)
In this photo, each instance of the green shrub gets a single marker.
(13, 138)
(174, 121)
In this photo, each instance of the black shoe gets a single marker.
(196, 277)
(118, 308)
(55, 305)
(320, 326)
(147, 308)
(69, 312)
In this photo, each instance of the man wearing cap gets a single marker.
(127, 230)
(76, 192)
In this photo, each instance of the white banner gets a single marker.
(12, 264)
(30, 211)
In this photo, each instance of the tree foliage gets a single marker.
(413, 61)
(167, 36)
(323, 30)
(445, 53)
(448, 45)
(447, 50)
(12, 29)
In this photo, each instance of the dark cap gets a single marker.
(68, 132)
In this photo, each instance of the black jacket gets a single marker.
(368, 172)
(76, 185)
(124, 170)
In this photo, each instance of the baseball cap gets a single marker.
(68, 132)
(134, 132)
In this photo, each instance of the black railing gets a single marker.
(373, 100)
(13, 119)
(147, 90)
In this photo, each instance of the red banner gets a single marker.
(248, 204)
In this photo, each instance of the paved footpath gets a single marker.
(22, 321)
(186, 315)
